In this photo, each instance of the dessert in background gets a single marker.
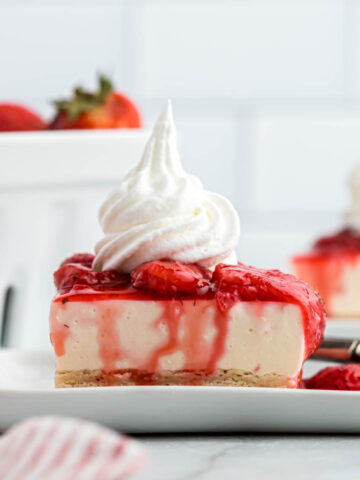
(164, 302)
(104, 108)
(332, 267)
(17, 118)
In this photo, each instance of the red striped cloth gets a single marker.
(57, 448)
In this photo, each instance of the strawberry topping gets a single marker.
(245, 283)
(171, 278)
(75, 275)
(228, 284)
(345, 377)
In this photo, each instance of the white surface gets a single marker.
(26, 389)
(258, 457)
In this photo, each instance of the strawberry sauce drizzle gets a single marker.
(59, 333)
(186, 327)
(108, 337)
(126, 293)
(219, 345)
(171, 317)
(197, 350)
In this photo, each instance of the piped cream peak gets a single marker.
(160, 211)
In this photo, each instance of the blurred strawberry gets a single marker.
(165, 277)
(345, 377)
(15, 118)
(105, 108)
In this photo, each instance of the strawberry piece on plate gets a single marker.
(105, 108)
(344, 377)
(16, 118)
(169, 278)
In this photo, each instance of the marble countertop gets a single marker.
(255, 457)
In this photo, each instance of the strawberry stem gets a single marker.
(83, 101)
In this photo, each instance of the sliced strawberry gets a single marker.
(74, 274)
(85, 259)
(170, 278)
(243, 282)
(345, 377)
(105, 108)
(16, 118)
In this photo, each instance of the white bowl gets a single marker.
(68, 156)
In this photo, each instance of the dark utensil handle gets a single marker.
(5, 315)
(338, 350)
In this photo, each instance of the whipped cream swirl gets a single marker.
(352, 216)
(161, 212)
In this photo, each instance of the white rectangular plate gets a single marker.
(26, 389)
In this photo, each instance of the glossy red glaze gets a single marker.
(87, 294)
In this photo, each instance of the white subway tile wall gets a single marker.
(262, 89)
(46, 46)
(302, 160)
(239, 48)
(266, 95)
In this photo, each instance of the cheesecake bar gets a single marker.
(174, 324)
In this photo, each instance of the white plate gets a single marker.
(26, 389)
